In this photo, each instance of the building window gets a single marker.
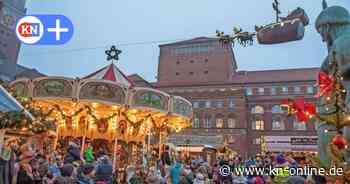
(206, 72)
(231, 139)
(191, 61)
(195, 104)
(201, 104)
(231, 104)
(310, 89)
(206, 60)
(273, 90)
(258, 124)
(256, 141)
(177, 73)
(297, 89)
(257, 110)
(191, 73)
(277, 123)
(249, 91)
(218, 104)
(207, 104)
(219, 123)
(207, 122)
(196, 122)
(261, 91)
(231, 123)
(177, 62)
(299, 125)
(276, 109)
(285, 89)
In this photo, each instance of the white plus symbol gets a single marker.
(58, 29)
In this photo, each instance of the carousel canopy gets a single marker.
(106, 102)
(111, 73)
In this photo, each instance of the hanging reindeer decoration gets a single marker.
(285, 29)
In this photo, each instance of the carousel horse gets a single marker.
(333, 24)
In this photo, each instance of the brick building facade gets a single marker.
(242, 106)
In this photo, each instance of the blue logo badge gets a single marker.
(44, 29)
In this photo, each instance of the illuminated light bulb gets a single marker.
(344, 91)
(282, 24)
(311, 116)
(341, 78)
(133, 110)
(325, 131)
(114, 107)
(346, 146)
(348, 118)
(328, 98)
(94, 105)
(326, 108)
(307, 113)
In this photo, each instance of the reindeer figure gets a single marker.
(244, 38)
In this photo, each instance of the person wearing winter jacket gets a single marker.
(85, 174)
(73, 153)
(104, 170)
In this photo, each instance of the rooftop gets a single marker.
(256, 77)
(191, 41)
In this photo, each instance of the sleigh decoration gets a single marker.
(290, 28)
(284, 29)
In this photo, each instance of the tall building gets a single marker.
(241, 106)
(10, 12)
(188, 62)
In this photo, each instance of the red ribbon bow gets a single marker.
(325, 84)
(303, 111)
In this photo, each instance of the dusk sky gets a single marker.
(138, 27)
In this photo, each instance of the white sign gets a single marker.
(291, 143)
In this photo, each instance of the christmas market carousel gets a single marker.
(107, 110)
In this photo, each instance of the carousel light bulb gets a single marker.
(344, 91)
(94, 105)
(325, 131)
(328, 98)
(282, 24)
(133, 111)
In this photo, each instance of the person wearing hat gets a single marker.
(104, 170)
(73, 153)
(67, 171)
(86, 174)
(281, 162)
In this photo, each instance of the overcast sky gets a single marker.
(140, 26)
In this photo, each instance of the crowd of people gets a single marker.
(23, 165)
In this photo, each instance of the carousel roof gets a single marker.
(111, 73)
